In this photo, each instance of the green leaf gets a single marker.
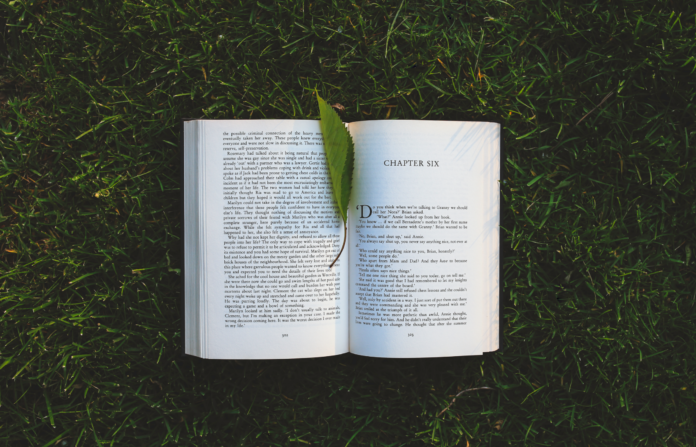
(347, 177)
(340, 154)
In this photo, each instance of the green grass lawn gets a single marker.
(598, 217)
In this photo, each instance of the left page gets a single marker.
(270, 231)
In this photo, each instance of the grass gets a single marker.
(598, 214)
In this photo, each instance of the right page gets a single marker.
(424, 238)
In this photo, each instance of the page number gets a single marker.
(285, 335)
(410, 335)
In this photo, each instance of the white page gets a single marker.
(449, 165)
(226, 335)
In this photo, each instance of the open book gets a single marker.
(420, 273)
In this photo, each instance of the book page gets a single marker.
(423, 238)
(271, 231)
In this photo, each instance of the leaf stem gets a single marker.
(345, 234)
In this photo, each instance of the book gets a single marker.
(420, 272)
